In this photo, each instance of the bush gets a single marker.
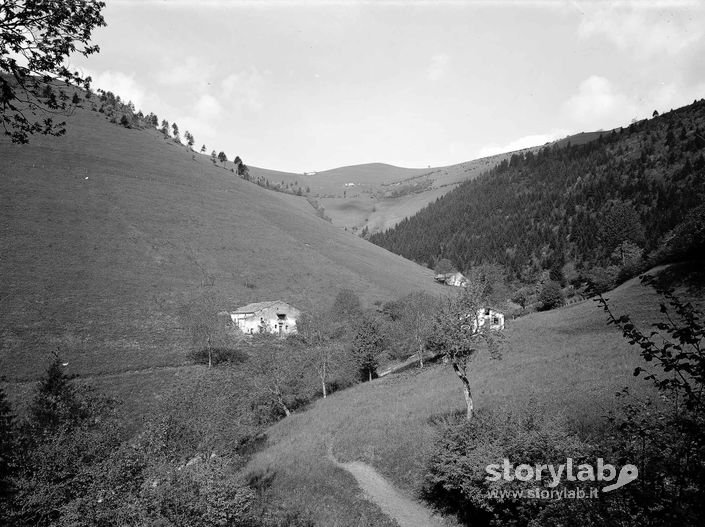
(550, 296)
(456, 480)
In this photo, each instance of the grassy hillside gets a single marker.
(566, 360)
(107, 231)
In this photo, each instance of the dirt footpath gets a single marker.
(405, 510)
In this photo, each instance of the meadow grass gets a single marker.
(107, 231)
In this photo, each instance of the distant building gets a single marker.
(487, 315)
(266, 317)
(454, 279)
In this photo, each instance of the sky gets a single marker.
(313, 85)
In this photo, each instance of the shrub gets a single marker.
(456, 480)
(550, 296)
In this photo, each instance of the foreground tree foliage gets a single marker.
(36, 39)
(73, 463)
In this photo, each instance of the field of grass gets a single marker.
(107, 231)
(567, 361)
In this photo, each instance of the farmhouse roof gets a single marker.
(258, 306)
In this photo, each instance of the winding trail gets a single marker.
(405, 510)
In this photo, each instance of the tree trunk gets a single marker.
(420, 355)
(466, 389)
(370, 372)
(323, 379)
(323, 371)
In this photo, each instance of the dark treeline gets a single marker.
(580, 206)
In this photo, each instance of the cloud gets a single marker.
(243, 90)
(121, 84)
(645, 30)
(438, 68)
(598, 104)
(207, 107)
(188, 72)
(521, 143)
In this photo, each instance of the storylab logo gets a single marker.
(600, 472)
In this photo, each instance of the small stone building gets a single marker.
(266, 317)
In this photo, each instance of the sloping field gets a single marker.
(567, 360)
(107, 231)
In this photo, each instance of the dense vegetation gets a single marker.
(662, 437)
(571, 210)
(73, 459)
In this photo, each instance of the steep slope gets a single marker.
(568, 205)
(107, 231)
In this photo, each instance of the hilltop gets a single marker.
(107, 231)
(372, 197)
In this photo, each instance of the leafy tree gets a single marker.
(416, 317)
(347, 305)
(621, 225)
(189, 139)
(207, 331)
(367, 344)
(214, 157)
(44, 35)
(319, 330)
(277, 367)
(522, 296)
(444, 266)
(457, 333)
(165, 128)
(222, 157)
(550, 296)
(175, 130)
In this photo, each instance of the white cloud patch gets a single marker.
(188, 72)
(243, 90)
(438, 68)
(519, 144)
(207, 107)
(121, 84)
(645, 30)
(598, 104)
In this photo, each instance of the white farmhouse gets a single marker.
(453, 279)
(266, 317)
(487, 315)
